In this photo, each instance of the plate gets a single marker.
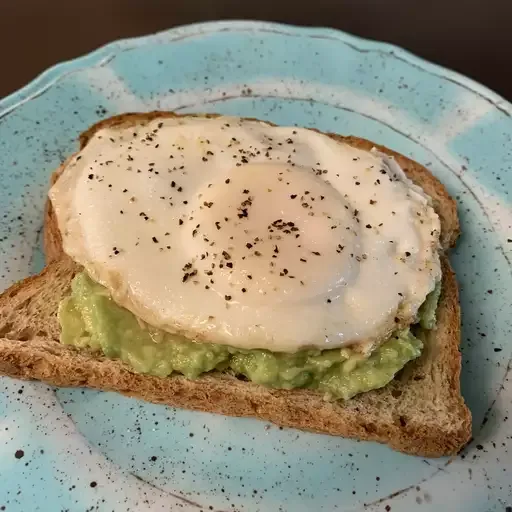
(76, 450)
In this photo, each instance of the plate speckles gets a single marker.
(85, 450)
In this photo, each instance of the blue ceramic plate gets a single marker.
(77, 450)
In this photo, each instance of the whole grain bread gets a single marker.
(420, 412)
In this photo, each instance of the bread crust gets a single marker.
(420, 412)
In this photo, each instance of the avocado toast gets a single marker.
(420, 411)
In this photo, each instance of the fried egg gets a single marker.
(238, 232)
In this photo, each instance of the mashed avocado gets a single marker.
(90, 319)
(427, 312)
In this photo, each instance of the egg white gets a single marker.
(241, 233)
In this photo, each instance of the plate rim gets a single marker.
(109, 51)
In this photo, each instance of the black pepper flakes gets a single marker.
(186, 277)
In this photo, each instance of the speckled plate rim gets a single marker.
(104, 54)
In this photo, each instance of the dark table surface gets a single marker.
(473, 37)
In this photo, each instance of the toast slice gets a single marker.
(420, 412)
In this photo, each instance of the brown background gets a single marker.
(470, 36)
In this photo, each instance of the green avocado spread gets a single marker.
(91, 320)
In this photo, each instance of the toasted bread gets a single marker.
(420, 412)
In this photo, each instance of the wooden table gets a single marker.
(470, 36)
